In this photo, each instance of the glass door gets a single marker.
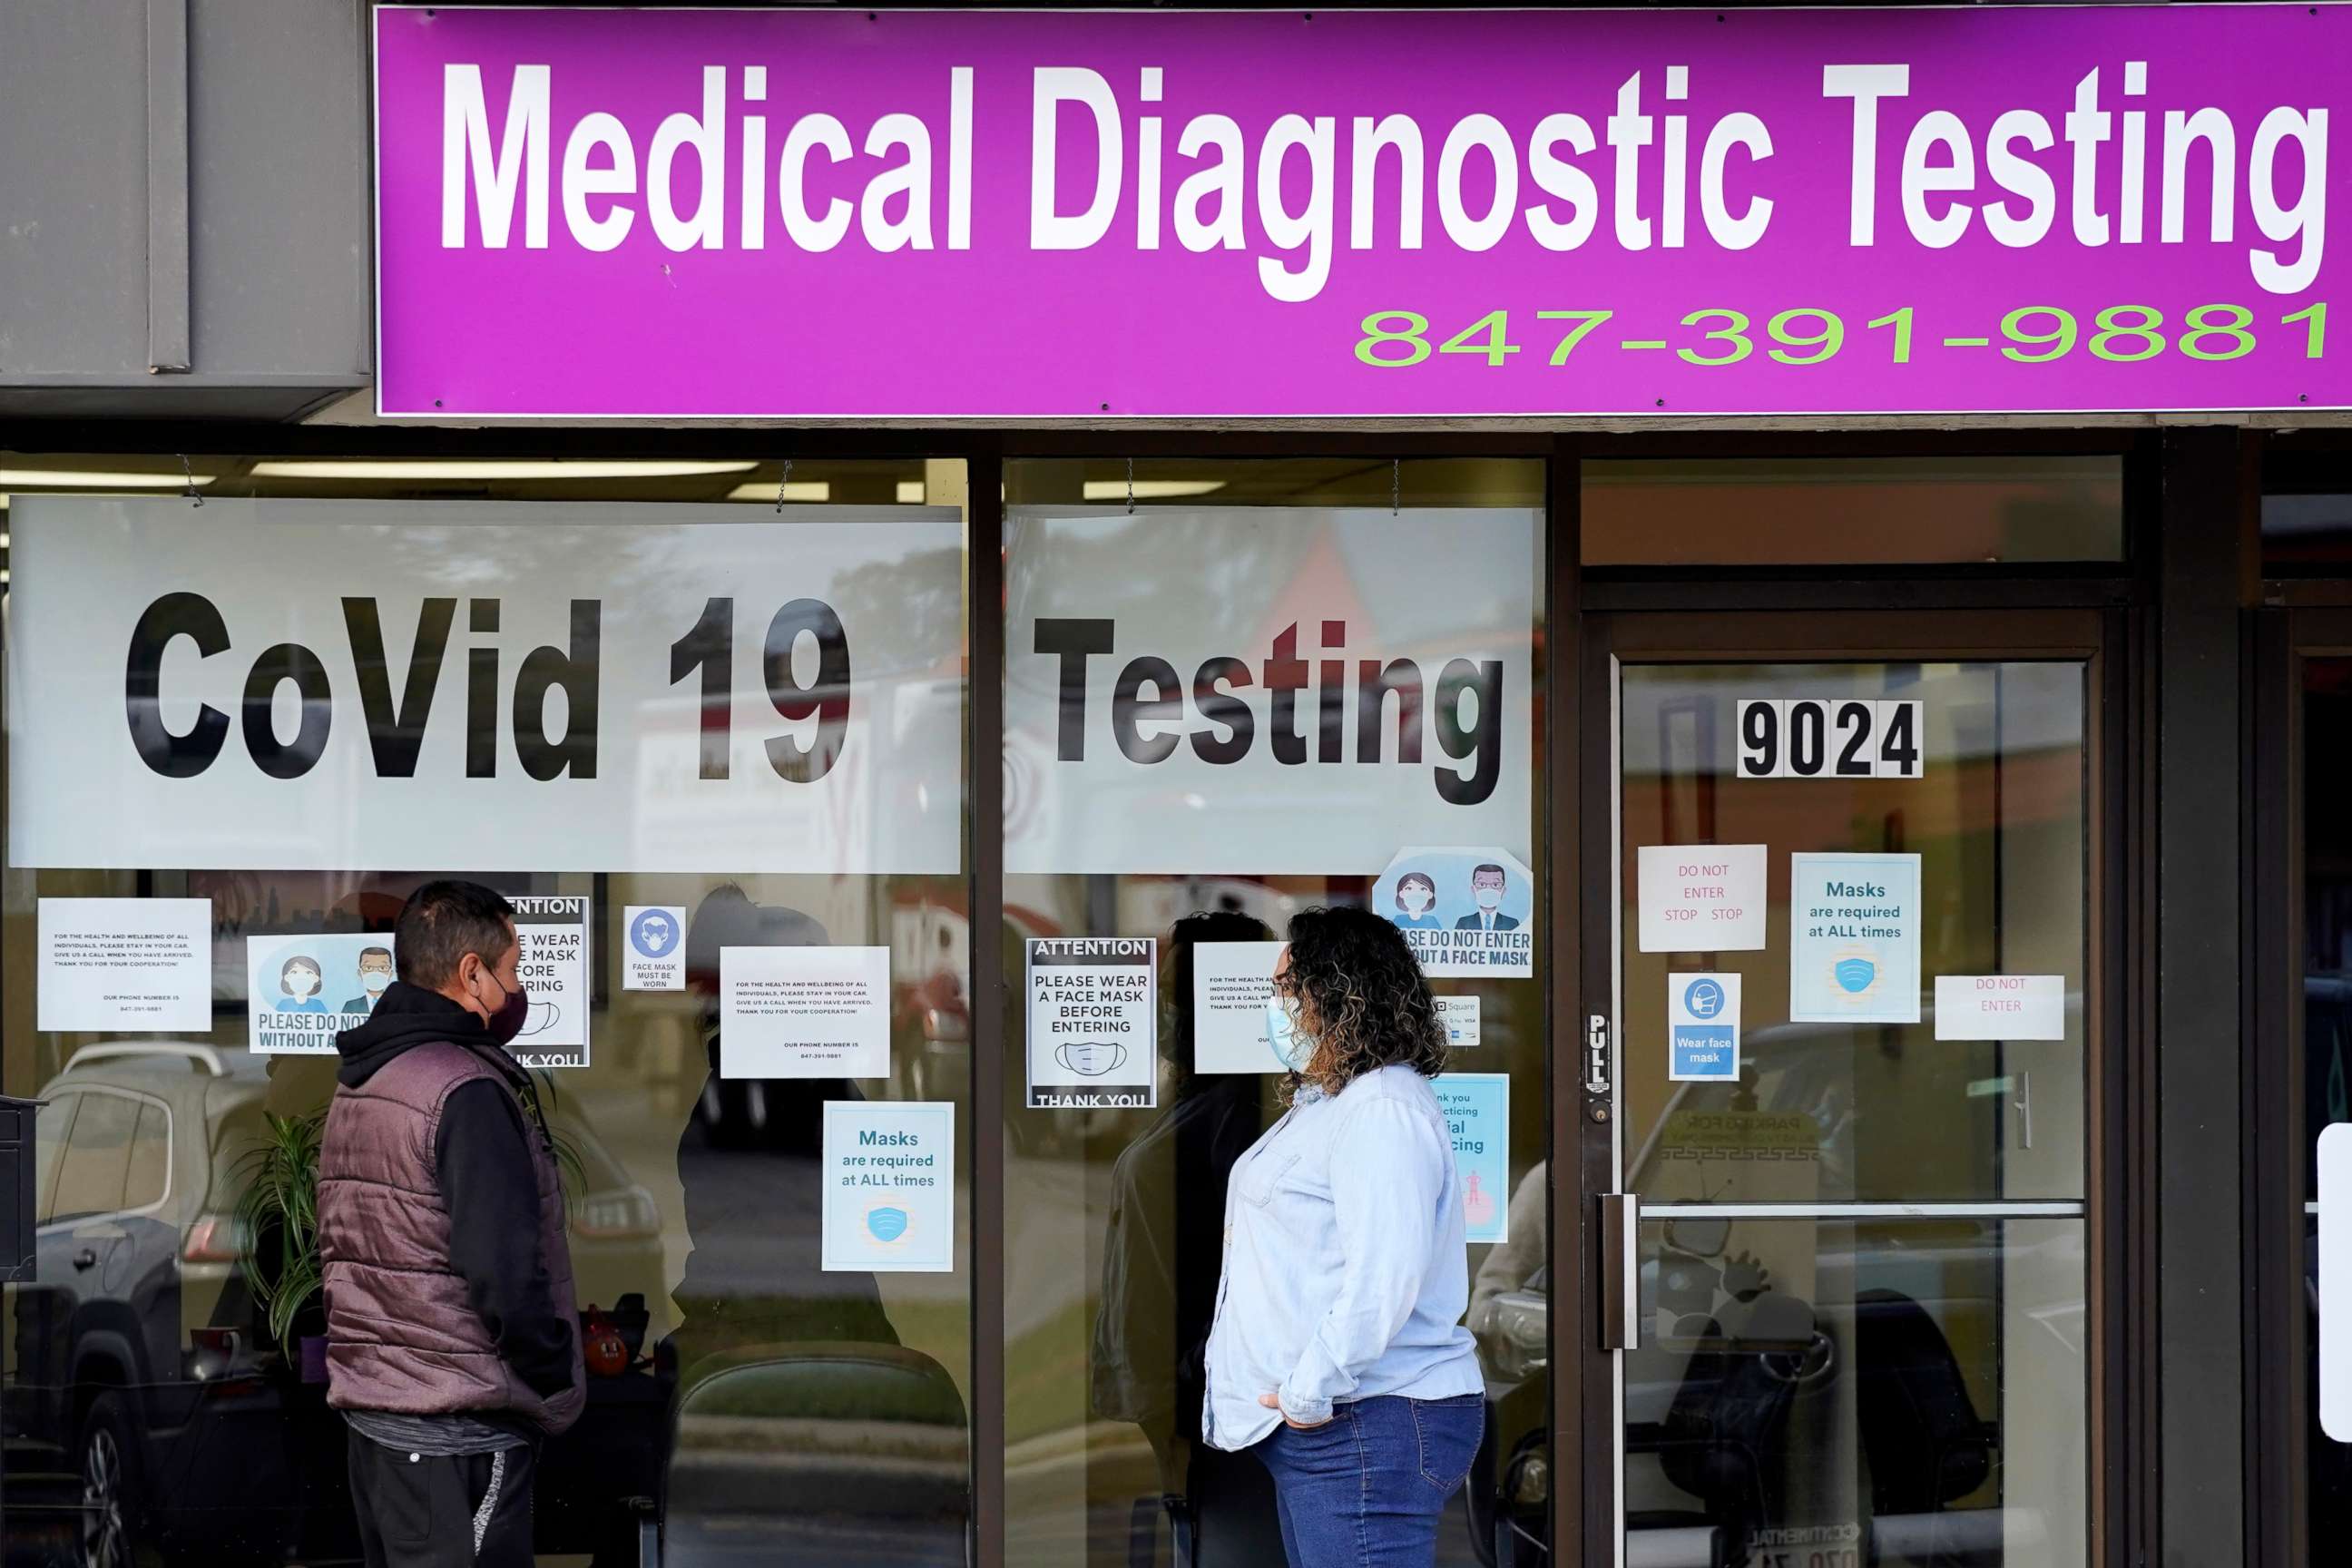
(2303, 1063)
(1842, 974)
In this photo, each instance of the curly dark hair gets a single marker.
(1361, 984)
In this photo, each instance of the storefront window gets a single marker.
(1875, 511)
(710, 740)
(2306, 533)
(1258, 687)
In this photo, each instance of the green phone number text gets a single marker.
(2031, 334)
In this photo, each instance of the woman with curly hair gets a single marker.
(1337, 1354)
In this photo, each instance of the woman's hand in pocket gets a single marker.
(1274, 1402)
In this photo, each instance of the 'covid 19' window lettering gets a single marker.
(803, 665)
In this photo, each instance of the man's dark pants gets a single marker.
(434, 1511)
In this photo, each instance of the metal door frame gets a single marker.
(2279, 1199)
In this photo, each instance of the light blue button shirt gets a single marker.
(1345, 1273)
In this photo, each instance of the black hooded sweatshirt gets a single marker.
(482, 1157)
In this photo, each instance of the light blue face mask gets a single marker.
(1293, 1046)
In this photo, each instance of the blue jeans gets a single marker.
(1365, 1489)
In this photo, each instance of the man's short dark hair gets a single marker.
(368, 952)
(444, 921)
(1490, 865)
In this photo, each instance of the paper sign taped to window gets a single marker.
(1232, 983)
(2001, 1006)
(111, 964)
(1465, 912)
(889, 1185)
(804, 1012)
(302, 989)
(1093, 1014)
(1701, 898)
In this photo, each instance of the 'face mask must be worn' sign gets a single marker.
(373, 685)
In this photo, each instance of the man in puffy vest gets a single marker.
(453, 1342)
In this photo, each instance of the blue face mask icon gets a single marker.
(1855, 974)
(1293, 1047)
(888, 1225)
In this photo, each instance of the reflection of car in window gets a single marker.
(149, 1411)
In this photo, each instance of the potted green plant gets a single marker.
(277, 1234)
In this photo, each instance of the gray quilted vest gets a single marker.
(401, 1334)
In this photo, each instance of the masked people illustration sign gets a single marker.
(1465, 911)
(301, 991)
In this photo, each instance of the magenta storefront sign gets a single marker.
(801, 215)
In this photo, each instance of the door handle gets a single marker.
(86, 1258)
(1620, 1271)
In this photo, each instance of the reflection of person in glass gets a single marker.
(297, 985)
(1339, 1355)
(1486, 885)
(1416, 897)
(1161, 1254)
(375, 973)
(774, 1353)
(754, 1276)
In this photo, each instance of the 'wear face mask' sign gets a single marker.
(294, 685)
(1265, 690)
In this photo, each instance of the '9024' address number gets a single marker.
(1829, 738)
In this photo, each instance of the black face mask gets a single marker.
(506, 1023)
